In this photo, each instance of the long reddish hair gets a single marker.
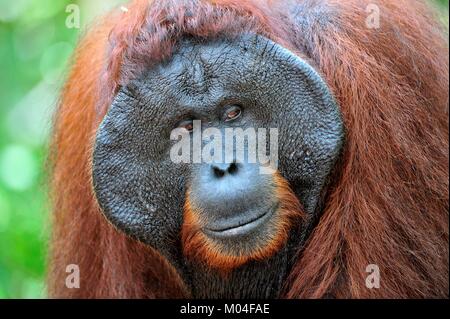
(388, 202)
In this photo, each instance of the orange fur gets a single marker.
(197, 246)
(388, 201)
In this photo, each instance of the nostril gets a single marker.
(233, 168)
(218, 172)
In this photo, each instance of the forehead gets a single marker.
(201, 67)
(197, 59)
(201, 73)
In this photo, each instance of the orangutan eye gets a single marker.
(233, 113)
(188, 125)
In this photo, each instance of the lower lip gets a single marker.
(240, 230)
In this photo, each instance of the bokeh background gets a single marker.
(35, 44)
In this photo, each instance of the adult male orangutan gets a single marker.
(360, 105)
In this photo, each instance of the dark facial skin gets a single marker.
(142, 192)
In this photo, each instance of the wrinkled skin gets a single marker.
(142, 192)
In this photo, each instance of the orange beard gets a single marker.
(197, 246)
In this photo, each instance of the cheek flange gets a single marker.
(133, 189)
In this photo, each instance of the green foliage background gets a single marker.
(34, 47)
